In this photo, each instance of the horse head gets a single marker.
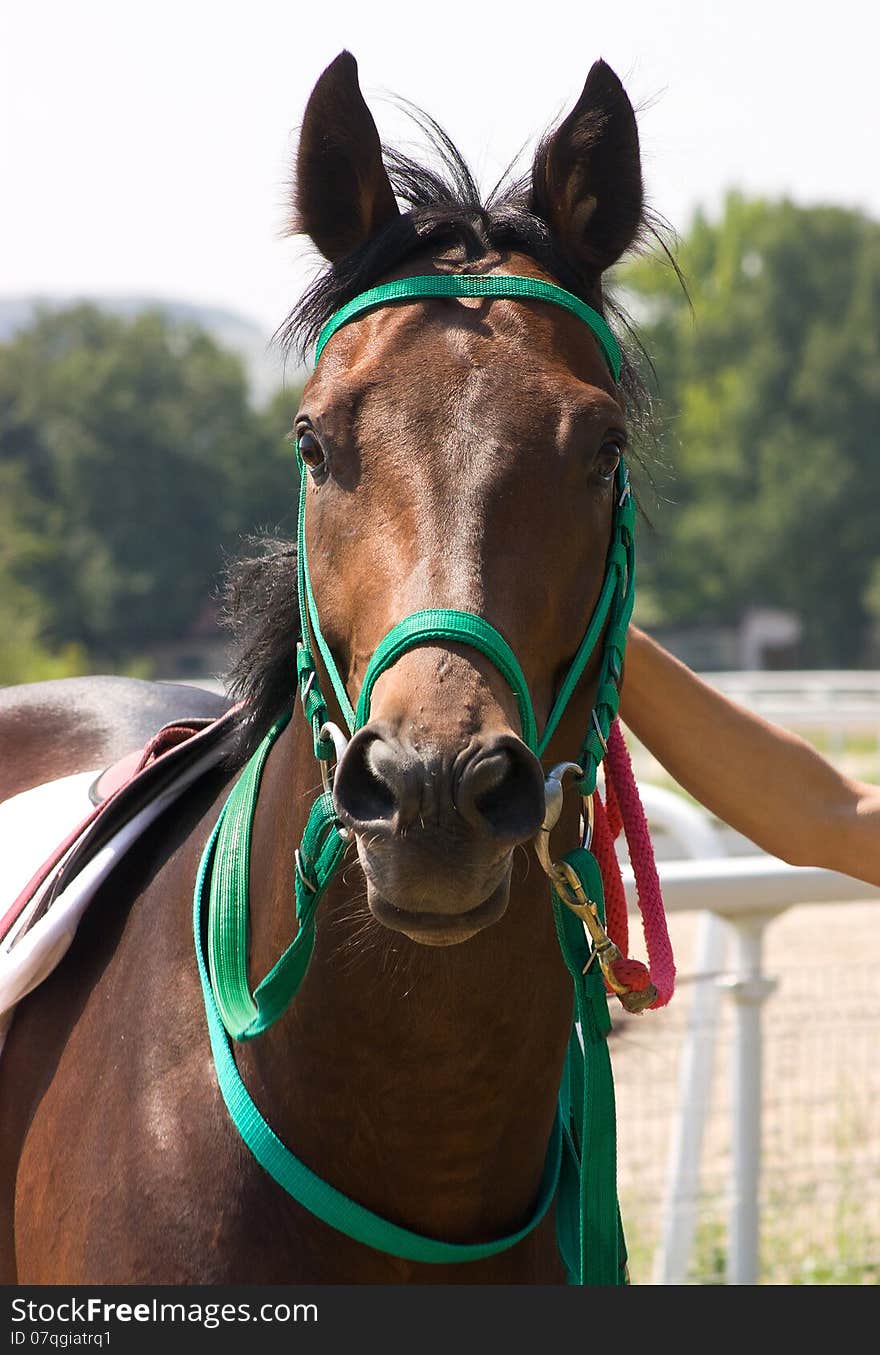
(461, 453)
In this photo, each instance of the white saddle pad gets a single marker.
(32, 825)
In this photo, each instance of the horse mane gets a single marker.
(444, 207)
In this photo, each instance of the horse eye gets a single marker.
(310, 450)
(608, 459)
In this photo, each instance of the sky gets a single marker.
(146, 148)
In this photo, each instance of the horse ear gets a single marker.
(587, 176)
(342, 193)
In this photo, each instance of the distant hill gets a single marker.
(233, 331)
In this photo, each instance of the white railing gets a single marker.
(739, 895)
(827, 702)
(825, 684)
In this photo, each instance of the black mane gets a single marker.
(443, 208)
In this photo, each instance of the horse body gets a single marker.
(458, 455)
(127, 1163)
(68, 725)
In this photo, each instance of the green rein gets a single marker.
(580, 1168)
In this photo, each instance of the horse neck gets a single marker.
(443, 1062)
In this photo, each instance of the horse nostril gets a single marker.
(372, 783)
(382, 785)
(502, 788)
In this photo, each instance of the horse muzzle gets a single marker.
(436, 828)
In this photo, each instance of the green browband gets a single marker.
(503, 286)
(580, 1166)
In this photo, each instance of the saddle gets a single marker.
(127, 798)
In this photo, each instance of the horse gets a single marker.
(67, 725)
(460, 451)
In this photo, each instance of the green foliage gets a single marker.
(132, 461)
(770, 394)
(23, 615)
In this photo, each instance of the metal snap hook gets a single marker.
(589, 821)
(553, 798)
(339, 740)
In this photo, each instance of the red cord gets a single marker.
(616, 919)
(623, 808)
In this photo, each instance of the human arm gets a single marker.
(764, 781)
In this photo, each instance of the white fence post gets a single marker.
(682, 1197)
(749, 987)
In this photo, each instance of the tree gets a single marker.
(138, 462)
(770, 392)
(24, 656)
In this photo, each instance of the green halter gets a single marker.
(580, 1167)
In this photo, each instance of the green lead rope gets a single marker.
(588, 1229)
(300, 1182)
(228, 868)
(580, 1164)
